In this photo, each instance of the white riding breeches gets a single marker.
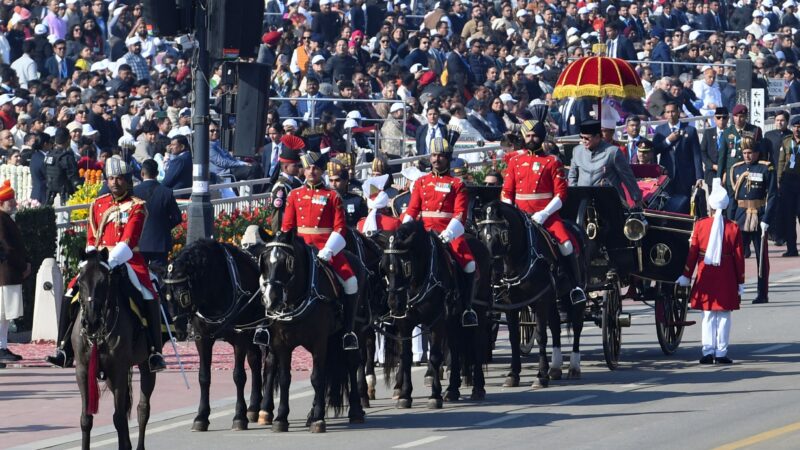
(716, 332)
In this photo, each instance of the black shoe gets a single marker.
(7, 355)
(59, 359)
(760, 300)
(789, 254)
(2, 366)
(723, 360)
(350, 341)
(261, 337)
(746, 253)
(780, 242)
(707, 359)
(156, 362)
(469, 319)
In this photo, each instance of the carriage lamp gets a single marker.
(635, 228)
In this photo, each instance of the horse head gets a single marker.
(278, 264)
(98, 290)
(397, 266)
(493, 231)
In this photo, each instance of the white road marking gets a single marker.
(496, 420)
(771, 348)
(419, 442)
(574, 400)
(644, 382)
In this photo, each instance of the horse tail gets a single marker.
(392, 351)
(336, 379)
(130, 393)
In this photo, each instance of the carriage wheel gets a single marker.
(612, 330)
(527, 330)
(671, 309)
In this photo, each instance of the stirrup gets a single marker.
(156, 362)
(469, 318)
(261, 337)
(350, 341)
(59, 359)
(577, 296)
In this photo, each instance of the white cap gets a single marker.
(125, 141)
(354, 115)
(706, 67)
(51, 131)
(72, 2)
(789, 3)
(510, 31)
(522, 13)
(40, 29)
(592, 6)
(417, 68)
(533, 70)
(399, 106)
(766, 3)
(535, 60)
(521, 62)
(694, 35)
(291, 2)
(685, 28)
(350, 123)
(680, 47)
(758, 13)
(583, 10)
(6, 98)
(290, 123)
(88, 130)
(325, 2)
(132, 41)
(769, 37)
(609, 117)
(317, 59)
(19, 101)
(572, 31)
(505, 98)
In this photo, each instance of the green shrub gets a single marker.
(38, 229)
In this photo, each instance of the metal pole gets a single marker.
(200, 214)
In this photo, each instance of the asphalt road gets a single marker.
(651, 401)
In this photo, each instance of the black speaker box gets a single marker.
(169, 17)
(252, 102)
(235, 28)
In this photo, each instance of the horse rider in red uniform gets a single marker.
(316, 212)
(441, 201)
(536, 183)
(377, 200)
(116, 221)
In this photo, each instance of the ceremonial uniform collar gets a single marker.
(122, 197)
(444, 173)
(317, 186)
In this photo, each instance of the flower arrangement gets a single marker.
(28, 203)
(91, 176)
(73, 241)
(85, 194)
(228, 227)
(20, 177)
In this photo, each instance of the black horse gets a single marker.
(300, 295)
(216, 286)
(422, 288)
(525, 274)
(108, 342)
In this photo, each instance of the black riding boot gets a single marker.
(576, 276)
(63, 356)
(468, 318)
(156, 360)
(350, 340)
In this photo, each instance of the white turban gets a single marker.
(718, 200)
(375, 202)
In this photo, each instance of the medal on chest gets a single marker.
(351, 208)
(319, 200)
(442, 187)
(756, 177)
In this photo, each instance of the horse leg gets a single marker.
(266, 415)
(436, 358)
(316, 419)
(404, 372)
(281, 422)
(453, 393)
(478, 355)
(204, 347)
(87, 420)
(239, 379)
(357, 391)
(147, 382)
(254, 360)
(542, 314)
(121, 389)
(512, 378)
(555, 331)
(369, 366)
(576, 317)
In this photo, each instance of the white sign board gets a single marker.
(757, 103)
(776, 87)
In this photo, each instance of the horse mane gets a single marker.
(198, 255)
(516, 223)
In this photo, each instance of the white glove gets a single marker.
(325, 254)
(741, 290)
(454, 229)
(764, 227)
(505, 200)
(683, 281)
(407, 218)
(446, 236)
(540, 217)
(118, 255)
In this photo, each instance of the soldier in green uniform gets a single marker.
(754, 185)
(287, 180)
(730, 145)
(788, 176)
(354, 205)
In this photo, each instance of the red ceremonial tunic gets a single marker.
(385, 223)
(437, 199)
(716, 287)
(316, 212)
(112, 222)
(531, 182)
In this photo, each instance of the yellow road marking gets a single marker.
(761, 437)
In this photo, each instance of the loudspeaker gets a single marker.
(169, 17)
(234, 28)
(252, 102)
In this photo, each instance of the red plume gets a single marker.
(293, 142)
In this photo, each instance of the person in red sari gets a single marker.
(717, 251)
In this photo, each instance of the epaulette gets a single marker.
(767, 163)
(737, 164)
(103, 196)
(137, 200)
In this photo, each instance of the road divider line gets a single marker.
(496, 420)
(761, 437)
(419, 442)
(645, 382)
(771, 348)
(574, 400)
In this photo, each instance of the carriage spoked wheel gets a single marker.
(527, 330)
(611, 325)
(671, 311)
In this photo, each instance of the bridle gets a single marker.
(104, 331)
(312, 294)
(431, 282)
(532, 257)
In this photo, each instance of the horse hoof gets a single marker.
(280, 427)
(396, 394)
(574, 374)
(357, 420)
(318, 427)
(511, 381)
(199, 425)
(404, 403)
(239, 425)
(365, 403)
(252, 416)
(478, 395)
(428, 381)
(540, 383)
(435, 403)
(555, 374)
(371, 394)
(264, 418)
(450, 396)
